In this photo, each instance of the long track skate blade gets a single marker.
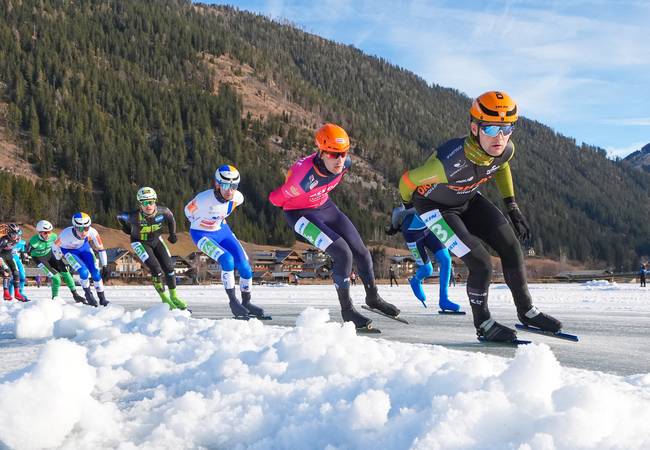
(558, 335)
(451, 313)
(376, 311)
(241, 317)
(512, 343)
(263, 317)
(369, 329)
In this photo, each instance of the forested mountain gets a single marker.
(107, 96)
(640, 159)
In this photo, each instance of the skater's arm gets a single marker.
(56, 250)
(290, 189)
(431, 172)
(503, 178)
(171, 221)
(123, 219)
(191, 209)
(171, 226)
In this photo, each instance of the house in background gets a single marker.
(206, 268)
(404, 265)
(280, 263)
(124, 263)
(181, 265)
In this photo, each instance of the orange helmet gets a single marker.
(494, 106)
(332, 138)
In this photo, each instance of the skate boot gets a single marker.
(348, 313)
(175, 299)
(238, 310)
(252, 309)
(78, 298)
(18, 295)
(360, 321)
(90, 298)
(535, 318)
(160, 289)
(493, 331)
(102, 298)
(447, 305)
(418, 290)
(373, 300)
(7, 295)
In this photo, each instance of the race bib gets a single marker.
(312, 233)
(139, 250)
(439, 227)
(210, 248)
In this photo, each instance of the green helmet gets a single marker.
(146, 193)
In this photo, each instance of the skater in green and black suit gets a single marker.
(145, 226)
(444, 191)
(39, 249)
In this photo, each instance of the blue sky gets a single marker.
(581, 67)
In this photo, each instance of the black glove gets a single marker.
(522, 230)
(126, 228)
(390, 230)
(172, 238)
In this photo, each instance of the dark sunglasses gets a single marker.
(335, 155)
(494, 130)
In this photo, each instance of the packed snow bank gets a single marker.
(601, 284)
(160, 379)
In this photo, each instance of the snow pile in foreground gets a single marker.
(600, 283)
(159, 379)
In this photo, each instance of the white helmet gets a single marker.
(44, 225)
(81, 219)
(146, 193)
(227, 174)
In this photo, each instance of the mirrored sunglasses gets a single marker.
(148, 202)
(228, 186)
(494, 130)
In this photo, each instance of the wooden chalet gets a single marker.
(124, 263)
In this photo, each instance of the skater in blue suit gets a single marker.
(418, 239)
(17, 253)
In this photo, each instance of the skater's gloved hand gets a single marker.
(517, 218)
(390, 230)
(172, 238)
(397, 217)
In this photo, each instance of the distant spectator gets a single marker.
(38, 281)
(642, 274)
(353, 278)
(452, 278)
(391, 274)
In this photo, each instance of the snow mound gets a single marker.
(160, 379)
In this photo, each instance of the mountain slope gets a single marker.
(114, 95)
(640, 159)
